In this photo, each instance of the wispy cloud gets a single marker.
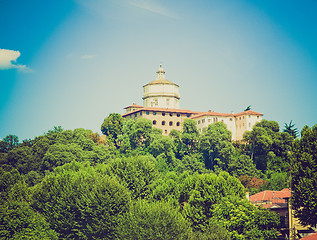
(88, 56)
(152, 6)
(8, 59)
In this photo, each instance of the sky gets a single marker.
(71, 63)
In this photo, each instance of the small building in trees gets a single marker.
(279, 202)
(161, 105)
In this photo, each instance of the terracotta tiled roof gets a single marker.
(202, 114)
(275, 197)
(134, 106)
(168, 110)
(249, 112)
(310, 237)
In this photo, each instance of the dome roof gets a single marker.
(160, 78)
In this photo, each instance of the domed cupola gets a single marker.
(160, 92)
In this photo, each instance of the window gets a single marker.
(171, 114)
(147, 113)
(178, 115)
(239, 118)
(209, 120)
(257, 116)
(188, 115)
(230, 119)
(171, 123)
(165, 131)
(163, 123)
(198, 121)
(163, 114)
(136, 115)
(178, 124)
(154, 122)
(154, 113)
(202, 121)
(140, 113)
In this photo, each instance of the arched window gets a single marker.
(171, 123)
(163, 114)
(163, 123)
(178, 124)
(154, 122)
(171, 114)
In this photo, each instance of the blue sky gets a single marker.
(73, 62)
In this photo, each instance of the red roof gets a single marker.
(153, 109)
(134, 106)
(310, 237)
(212, 114)
(274, 197)
(249, 112)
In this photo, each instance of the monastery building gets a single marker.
(161, 106)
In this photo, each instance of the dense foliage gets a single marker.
(135, 183)
(304, 176)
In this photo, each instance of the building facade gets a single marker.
(161, 106)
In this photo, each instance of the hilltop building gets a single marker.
(161, 106)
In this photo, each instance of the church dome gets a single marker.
(160, 79)
(161, 92)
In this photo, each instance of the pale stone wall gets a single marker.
(162, 120)
(245, 123)
(204, 121)
(161, 95)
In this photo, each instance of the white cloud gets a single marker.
(8, 60)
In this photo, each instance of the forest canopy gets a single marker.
(132, 182)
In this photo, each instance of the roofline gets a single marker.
(155, 83)
(153, 109)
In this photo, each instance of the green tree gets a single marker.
(163, 145)
(23, 160)
(208, 190)
(135, 173)
(8, 143)
(245, 221)
(216, 147)
(112, 125)
(189, 136)
(81, 203)
(290, 129)
(157, 220)
(8, 177)
(247, 108)
(19, 221)
(213, 231)
(242, 165)
(304, 176)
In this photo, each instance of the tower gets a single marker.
(161, 93)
